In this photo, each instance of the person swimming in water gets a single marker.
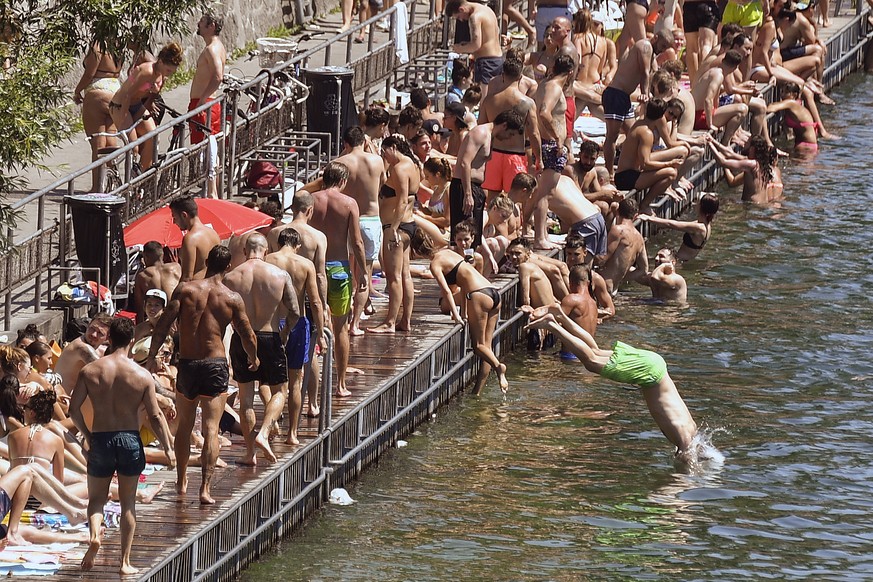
(628, 365)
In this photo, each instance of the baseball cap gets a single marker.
(433, 127)
(157, 293)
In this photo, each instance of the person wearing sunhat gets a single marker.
(153, 307)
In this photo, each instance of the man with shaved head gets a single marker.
(269, 295)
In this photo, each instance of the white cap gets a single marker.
(157, 293)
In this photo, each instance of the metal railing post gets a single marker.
(230, 162)
(9, 241)
(37, 283)
(324, 417)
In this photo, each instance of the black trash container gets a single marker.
(330, 107)
(98, 234)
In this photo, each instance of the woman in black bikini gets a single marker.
(697, 233)
(396, 200)
(480, 303)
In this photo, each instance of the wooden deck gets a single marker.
(171, 519)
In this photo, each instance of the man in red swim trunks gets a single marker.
(207, 78)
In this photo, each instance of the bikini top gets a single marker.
(387, 191)
(689, 242)
(452, 276)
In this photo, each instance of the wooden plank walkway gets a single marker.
(170, 519)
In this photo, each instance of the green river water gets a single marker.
(569, 479)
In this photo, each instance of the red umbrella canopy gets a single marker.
(225, 217)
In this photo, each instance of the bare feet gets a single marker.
(341, 392)
(545, 245)
(219, 462)
(313, 411)
(356, 331)
(403, 327)
(249, 459)
(825, 100)
(384, 328)
(93, 548)
(264, 445)
(351, 370)
(501, 375)
(78, 517)
(182, 486)
(292, 439)
(206, 497)
(13, 539)
(147, 495)
(128, 570)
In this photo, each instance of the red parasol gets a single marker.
(225, 217)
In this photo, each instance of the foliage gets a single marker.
(40, 40)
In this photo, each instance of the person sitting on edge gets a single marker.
(626, 247)
(628, 365)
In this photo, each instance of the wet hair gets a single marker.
(589, 148)
(376, 116)
(520, 242)
(739, 40)
(671, 256)
(30, 332)
(9, 389)
(418, 98)
(790, 88)
(472, 96)
(410, 115)
(185, 204)
(733, 58)
(460, 71)
(11, 357)
(575, 241)
(399, 143)
(663, 81)
(453, 7)
(353, 136)
(335, 173)
(515, 54)
(302, 202)
(42, 404)
(421, 244)
(502, 202)
(655, 109)
(729, 31)
(153, 249)
(563, 64)
(511, 119)
(512, 68)
(674, 67)
(709, 206)
(628, 208)
(579, 275)
(439, 167)
(467, 227)
(765, 155)
(120, 333)
(289, 237)
(676, 102)
(211, 19)
(37, 348)
(217, 260)
(171, 55)
(523, 181)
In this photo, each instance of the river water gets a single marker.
(570, 479)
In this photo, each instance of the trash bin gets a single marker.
(330, 107)
(99, 235)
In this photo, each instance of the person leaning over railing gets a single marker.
(136, 97)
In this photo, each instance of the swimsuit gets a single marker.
(593, 231)
(273, 369)
(697, 15)
(554, 155)
(630, 365)
(627, 179)
(616, 104)
(456, 208)
(643, 3)
(372, 235)
(570, 114)
(502, 168)
(214, 121)
(491, 292)
(452, 276)
(5, 508)
(746, 15)
(116, 451)
(387, 191)
(700, 120)
(689, 242)
(339, 287)
(297, 348)
(792, 52)
(108, 84)
(486, 68)
(206, 377)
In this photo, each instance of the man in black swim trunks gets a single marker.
(117, 387)
(205, 307)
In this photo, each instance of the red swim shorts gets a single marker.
(502, 168)
(215, 122)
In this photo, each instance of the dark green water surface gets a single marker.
(569, 478)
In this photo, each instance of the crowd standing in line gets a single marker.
(474, 189)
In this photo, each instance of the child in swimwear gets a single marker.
(628, 365)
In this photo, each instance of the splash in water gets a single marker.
(702, 455)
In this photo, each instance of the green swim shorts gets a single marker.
(630, 365)
(339, 287)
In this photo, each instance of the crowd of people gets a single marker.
(474, 189)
